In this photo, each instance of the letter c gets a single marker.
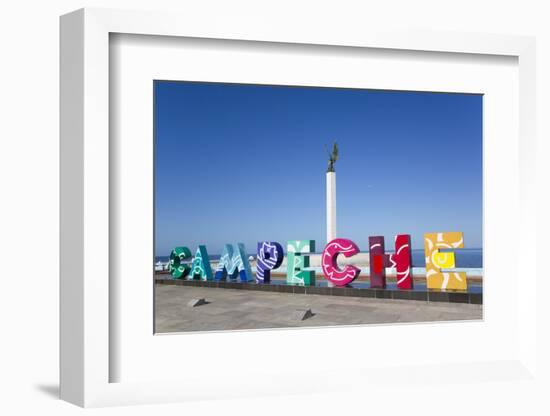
(329, 261)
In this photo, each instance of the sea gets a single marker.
(466, 258)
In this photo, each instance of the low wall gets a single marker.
(418, 295)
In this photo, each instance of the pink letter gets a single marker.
(329, 261)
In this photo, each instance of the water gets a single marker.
(469, 258)
(418, 287)
(466, 260)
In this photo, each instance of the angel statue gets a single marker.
(332, 157)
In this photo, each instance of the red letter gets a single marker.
(401, 261)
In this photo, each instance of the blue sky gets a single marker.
(245, 163)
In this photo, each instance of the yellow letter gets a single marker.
(436, 260)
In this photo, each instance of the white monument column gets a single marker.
(331, 210)
(331, 206)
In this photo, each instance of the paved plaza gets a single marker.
(231, 309)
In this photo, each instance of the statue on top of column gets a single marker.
(332, 157)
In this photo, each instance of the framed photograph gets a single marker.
(291, 210)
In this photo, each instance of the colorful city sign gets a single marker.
(234, 264)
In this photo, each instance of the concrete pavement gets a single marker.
(230, 309)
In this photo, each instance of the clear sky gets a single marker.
(245, 163)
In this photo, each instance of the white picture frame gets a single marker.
(88, 296)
